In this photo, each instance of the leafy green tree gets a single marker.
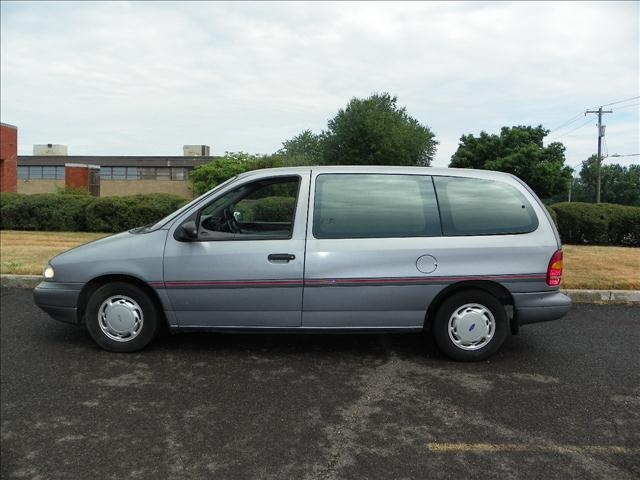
(303, 149)
(375, 131)
(207, 176)
(520, 151)
(618, 184)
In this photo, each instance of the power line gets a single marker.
(628, 106)
(568, 122)
(579, 115)
(572, 130)
(620, 101)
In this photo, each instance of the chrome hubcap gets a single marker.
(471, 326)
(120, 318)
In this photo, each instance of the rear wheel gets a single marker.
(121, 317)
(470, 325)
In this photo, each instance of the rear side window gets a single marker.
(473, 206)
(374, 206)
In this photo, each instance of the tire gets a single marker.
(470, 325)
(121, 317)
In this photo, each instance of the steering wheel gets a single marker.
(231, 221)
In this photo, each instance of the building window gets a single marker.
(148, 173)
(39, 172)
(163, 173)
(144, 173)
(132, 173)
(179, 173)
(49, 173)
(119, 173)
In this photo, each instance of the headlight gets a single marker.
(48, 272)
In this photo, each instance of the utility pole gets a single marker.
(600, 135)
(570, 187)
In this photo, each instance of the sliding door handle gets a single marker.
(282, 257)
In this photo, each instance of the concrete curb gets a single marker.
(577, 296)
(19, 281)
(604, 296)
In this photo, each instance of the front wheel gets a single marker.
(120, 317)
(470, 325)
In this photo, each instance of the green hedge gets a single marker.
(598, 224)
(66, 212)
(578, 223)
(45, 211)
(117, 214)
(268, 209)
(5, 199)
(274, 209)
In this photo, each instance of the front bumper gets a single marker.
(540, 306)
(59, 300)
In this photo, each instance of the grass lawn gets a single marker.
(26, 253)
(584, 266)
(589, 267)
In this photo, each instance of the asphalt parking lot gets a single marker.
(560, 400)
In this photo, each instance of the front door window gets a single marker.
(262, 210)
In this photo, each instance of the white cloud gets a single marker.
(145, 78)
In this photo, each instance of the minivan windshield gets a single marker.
(160, 223)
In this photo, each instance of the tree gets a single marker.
(375, 131)
(520, 151)
(207, 176)
(618, 184)
(303, 149)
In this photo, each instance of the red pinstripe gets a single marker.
(334, 281)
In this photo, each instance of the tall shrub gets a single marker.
(68, 212)
(117, 214)
(598, 224)
(46, 211)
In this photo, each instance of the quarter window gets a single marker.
(374, 206)
(473, 206)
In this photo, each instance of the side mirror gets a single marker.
(187, 232)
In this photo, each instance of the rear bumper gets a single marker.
(540, 306)
(59, 300)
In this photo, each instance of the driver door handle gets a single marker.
(286, 257)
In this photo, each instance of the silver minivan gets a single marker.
(468, 255)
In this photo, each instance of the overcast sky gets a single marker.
(145, 78)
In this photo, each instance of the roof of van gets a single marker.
(452, 172)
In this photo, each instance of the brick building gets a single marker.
(119, 175)
(8, 157)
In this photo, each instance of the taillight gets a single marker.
(554, 272)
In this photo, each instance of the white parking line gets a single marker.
(441, 447)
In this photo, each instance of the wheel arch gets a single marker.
(494, 288)
(97, 282)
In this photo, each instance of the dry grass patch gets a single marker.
(26, 253)
(585, 267)
(601, 268)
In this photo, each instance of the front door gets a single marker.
(245, 269)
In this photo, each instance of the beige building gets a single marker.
(122, 175)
